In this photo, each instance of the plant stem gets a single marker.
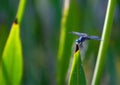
(20, 10)
(63, 28)
(62, 70)
(104, 42)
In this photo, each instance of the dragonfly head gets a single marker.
(78, 41)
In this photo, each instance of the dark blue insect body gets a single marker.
(81, 39)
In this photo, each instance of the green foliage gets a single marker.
(77, 76)
(12, 64)
(62, 66)
(104, 42)
(47, 43)
(11, 67)
(21, 9)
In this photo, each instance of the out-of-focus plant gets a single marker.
(12, 62)
(62, 64)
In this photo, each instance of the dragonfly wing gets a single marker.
(79, 34)
(93, 37)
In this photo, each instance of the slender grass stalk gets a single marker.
(104, 43)
(61, 69)
(63, 28)
(20, 11)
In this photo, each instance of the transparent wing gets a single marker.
(83, 48)
(79, 34)
(93, 37)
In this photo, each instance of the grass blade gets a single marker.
(77, 76)
(12, 64)
(62, 69)
(21, 9)
(104, 43)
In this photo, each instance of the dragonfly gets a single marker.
(82, 38)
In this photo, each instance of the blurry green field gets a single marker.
(47, 45)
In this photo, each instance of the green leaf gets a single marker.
(77, 76)
(12, 58)
(104, 43)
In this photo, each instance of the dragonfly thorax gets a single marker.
(81, 39)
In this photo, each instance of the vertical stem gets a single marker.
(61, 73)
(104, 43)
(20, 10)
(63, 27)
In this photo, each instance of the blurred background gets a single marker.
(40, 30)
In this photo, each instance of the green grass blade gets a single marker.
(21, 10)
(62, 69)
(104, 43)
(77, 76)
(63, 28)
(12, 63)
